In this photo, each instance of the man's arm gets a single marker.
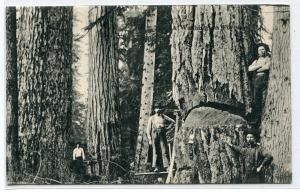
(169, 119)
(149, 129)
(83, 156)
(236, 148)
(254, 66)
(74, 154)
(265, 67)
(266, 158)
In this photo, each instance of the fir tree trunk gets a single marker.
(45, 83)
(276, 136)
(147, 89)
(103, 119)
(12, 153)
(211, 47)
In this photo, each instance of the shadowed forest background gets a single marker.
(94, 75)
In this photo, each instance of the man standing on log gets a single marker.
(254, 159)
(156, 133)
(260, 69)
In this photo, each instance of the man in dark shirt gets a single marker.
(254, 159)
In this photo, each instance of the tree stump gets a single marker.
(201, 155)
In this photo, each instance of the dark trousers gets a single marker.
(160, 148)
(260, 86)
(253, 177)
(78, 165)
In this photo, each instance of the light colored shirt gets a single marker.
(78, 152)
(157, 121)
(260, 65)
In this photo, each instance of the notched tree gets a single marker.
(211, 47)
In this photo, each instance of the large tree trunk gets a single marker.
(12, 153)
(45, 83)
(147, 89)
(103, 119)
(276, 136)
(211, 48)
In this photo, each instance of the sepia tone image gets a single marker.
(195, 94)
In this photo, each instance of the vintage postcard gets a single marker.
(148, 94)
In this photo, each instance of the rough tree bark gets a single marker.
(201, 156)
(44, 37)
(276, 135)
(12, 152)
(147, 88)
(103, 127)
(211, 47)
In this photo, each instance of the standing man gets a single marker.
(78, 157)
(156, 133)
(260, 69)
(254, 159)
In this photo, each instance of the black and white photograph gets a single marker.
(148, 94)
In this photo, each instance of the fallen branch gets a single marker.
(49, 179)
(40, 165)
(151, 173)
(118, 165)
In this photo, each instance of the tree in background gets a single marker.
(44, 42)
(12, 148)
(103, 118)
(131, 30)
(163, 62)
(77, 130)
(131, 49)
(147, 87)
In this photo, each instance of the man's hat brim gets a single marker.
(255, 132)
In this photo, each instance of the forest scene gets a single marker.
(195, 94)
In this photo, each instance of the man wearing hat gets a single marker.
(254, 158)
(156, 133)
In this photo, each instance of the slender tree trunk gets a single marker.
(12, 152)
(211, 46)
(45, 85)
(147, 89)
(276, 136)
(132, 54)
(103, 119)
